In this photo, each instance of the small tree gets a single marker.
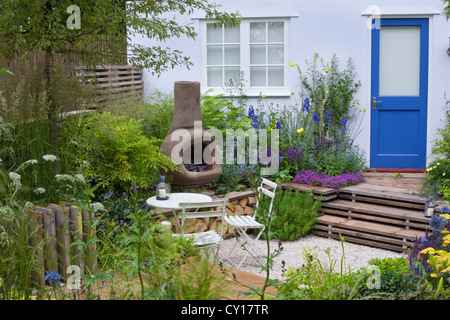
(60, 27)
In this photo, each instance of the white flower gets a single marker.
(97, 206)
(15, 180)
(79, 177)
(29, 204)
(49, 157)
(32, 161)
(39, 190)
(64, 177)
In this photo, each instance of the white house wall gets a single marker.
(327, 27)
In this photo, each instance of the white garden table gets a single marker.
(175, 199)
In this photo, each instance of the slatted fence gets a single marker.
(110, 83)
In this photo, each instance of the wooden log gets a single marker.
(62, 239)
(238, 210)
(249, 210)
(49, 234)
(243, 202)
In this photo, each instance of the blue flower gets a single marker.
(328, 116)
(253, 117)
(53, 278)
(278, 124)
(343, 123)
(316, 118)
(306, 104)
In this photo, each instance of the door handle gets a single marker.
(374, 103)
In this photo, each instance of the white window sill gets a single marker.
(215, 92)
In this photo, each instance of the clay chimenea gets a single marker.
(187, 140)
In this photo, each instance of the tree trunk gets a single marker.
(49, 72)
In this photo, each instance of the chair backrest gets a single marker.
(266, 192)
(219, 207)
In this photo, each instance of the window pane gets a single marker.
(276, 54)
(232, 35)
(214, 76)
(258, 76)
(257, 54)
(232, 73)
(232, 54)
(276, 31)
(276, 76)
(213, 35)
(399, 60)
(214, 55)
(257, 32)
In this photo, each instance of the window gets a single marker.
(256, 50)
(222, 54)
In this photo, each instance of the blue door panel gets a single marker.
(398, 124)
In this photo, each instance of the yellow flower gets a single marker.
(443, 174)
(438, 163)
(428, 250)
(433, 275)
(326, 91)
(263, 96)
(446, 269)
(356, 108)
(364, 110)
(292, 93)
(294, 64)
(446, 216)
(328, 70)
(301, 130)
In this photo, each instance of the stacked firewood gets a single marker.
(244, 206)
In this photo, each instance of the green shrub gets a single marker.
(295, 214)
(155, 116)
(397, 282)
(114, 151)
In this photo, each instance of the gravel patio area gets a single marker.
(356, 256)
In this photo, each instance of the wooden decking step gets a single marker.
(378, 210)
(367, 233)
(384, 192)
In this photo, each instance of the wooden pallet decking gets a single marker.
(384, 215)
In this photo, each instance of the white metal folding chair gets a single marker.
(242, 224)
(206, 238)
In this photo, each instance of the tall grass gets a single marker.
(25, 106)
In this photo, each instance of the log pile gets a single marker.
(244, 206)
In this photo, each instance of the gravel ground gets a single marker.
(356, 256)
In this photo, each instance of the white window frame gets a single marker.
(280, 91)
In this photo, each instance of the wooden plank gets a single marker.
(364, 236)
(381, 245)
(388, 202)
(375, 209)
(369, 227)
(305, 187)
(383, 192)
(373, 218)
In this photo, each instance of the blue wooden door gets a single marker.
(399, 89)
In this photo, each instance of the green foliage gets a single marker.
(220, 113)
(437, 179)
(333, 163)
(117, 153)
(397, 282)
(155, 116)
(295, 215)
(315, 281)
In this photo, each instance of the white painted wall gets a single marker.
(329, 27)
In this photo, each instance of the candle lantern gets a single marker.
(162, 189)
